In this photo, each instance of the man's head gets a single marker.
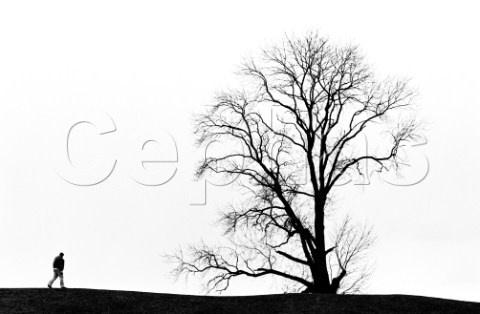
(61, 254)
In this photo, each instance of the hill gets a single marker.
(110, 301)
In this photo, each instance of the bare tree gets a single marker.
(299, 123)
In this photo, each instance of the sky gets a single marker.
(121, 81)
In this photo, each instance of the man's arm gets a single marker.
(62, 264)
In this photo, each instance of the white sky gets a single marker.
(148, 66)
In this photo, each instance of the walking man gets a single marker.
(58, 264)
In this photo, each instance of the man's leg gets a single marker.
(55, 275)
(60, 274)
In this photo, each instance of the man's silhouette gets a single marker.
(58, 264)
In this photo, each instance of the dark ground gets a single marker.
(110, 301)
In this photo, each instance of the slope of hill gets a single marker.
(109, 301)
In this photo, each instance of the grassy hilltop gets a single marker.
(110, 301)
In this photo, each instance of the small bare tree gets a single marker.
(351, 243)
(300, 120)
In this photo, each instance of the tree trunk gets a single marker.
(321, 280)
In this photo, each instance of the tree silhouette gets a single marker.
(292, 133)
